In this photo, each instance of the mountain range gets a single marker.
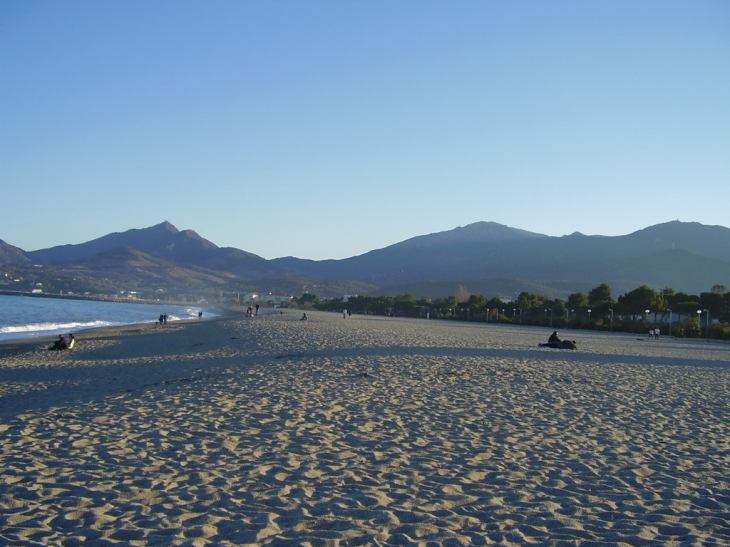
(485, 257)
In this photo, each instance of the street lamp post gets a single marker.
(467, 314)
(611, 319)
(707, 325)
(520, 316)
(502, 314)
(670, 320)
(699, 321)
(487, 321)
(551, 317)
(589, 316)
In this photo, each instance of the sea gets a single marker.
(31, 316)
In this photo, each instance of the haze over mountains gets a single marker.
(487, 258)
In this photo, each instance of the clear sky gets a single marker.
(328, 129)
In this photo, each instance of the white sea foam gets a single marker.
(48, 327)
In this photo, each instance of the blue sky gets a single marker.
(328, 129)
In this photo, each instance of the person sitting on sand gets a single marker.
(304, 317)
(553, 342)
(60, 343)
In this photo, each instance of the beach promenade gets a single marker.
(363, 431)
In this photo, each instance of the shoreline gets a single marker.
(217, 309)
(367, 430)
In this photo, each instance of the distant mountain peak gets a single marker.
(166, 226)
(10, 254)
(471, 233)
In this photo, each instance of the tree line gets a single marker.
(639, 310)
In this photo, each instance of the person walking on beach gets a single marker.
(257, 310)
(165, 317)
(162, 318)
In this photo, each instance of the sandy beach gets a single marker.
(363, 431)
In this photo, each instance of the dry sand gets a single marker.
(363, 431)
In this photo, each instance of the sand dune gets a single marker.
(363, 431)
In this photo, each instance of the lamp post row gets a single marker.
(567, 312)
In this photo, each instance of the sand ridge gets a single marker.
(364, 431)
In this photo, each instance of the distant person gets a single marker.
(304, 317)
(656, 334)
(165, 317)
(162, 318)
(344, 314)
(257, 310)
(58, 344)
(553, 342)
(62, 343)
(651, 334)
(349, 313)
(200, 314)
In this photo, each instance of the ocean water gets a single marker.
(27, 317)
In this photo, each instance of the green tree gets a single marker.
(600, 294)
(714, 302)
(443, 305)
(476, 301)
(307, 300)
(577, 301)
(726, 299)
(639, 300)
(527, 301)
(404, 304)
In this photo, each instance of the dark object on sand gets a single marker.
(62, 343)
(563, 344)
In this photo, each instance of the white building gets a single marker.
(276, 298)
